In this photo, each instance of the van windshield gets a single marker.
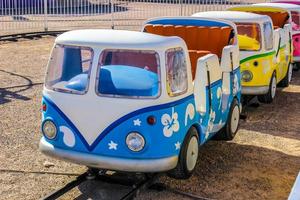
(249, 36)
(128, 73)
(296, 21)
(69, 69)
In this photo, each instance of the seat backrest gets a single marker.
(203, 38)
(194, 55)
(279, 19)
(199, 38)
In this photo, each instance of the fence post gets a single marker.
(45, 15)
(112, 10)
(181, 7)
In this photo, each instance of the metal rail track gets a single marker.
(29, 35)
(136, 187)
(144, 182)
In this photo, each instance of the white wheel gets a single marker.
(235, 118)
(188, 156)
(273, 87)
(192, 153)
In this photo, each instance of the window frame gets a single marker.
(172, 94)
(89, 71)
(260, 35)
(265, 41)
(157, 56)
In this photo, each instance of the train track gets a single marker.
(136, 183)
(29, 35)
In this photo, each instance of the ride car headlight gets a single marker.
(49, 129)
(247, 76)
(135, 141)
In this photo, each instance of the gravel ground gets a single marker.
(260, 163)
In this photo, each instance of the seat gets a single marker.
(203, 40)
(180, 31)
(215, 35)
(194, 55)
(149, 28)
(192, 38)
(200, 40)
(158, 29)
(168, 30)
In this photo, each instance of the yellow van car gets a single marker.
(264, 59)
(265, 40)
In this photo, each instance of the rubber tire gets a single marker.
(226, 133)
(286, 82)
(267, 98)
(181, 171)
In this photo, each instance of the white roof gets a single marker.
(287, 6)
(108, 38)
(234, 16)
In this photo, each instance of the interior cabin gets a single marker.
(200, 40)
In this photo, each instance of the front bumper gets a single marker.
(111, 163)
(255, 90)
(296, 58)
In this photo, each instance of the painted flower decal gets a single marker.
(189, 113)
(210, 125)
(236, 86)
(170, 123)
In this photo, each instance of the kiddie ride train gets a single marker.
(265, 47)
(142, 101)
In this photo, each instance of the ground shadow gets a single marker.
(12, 92)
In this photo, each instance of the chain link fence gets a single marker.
(19, 16)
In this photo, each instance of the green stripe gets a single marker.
(257, 56)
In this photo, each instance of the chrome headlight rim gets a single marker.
(248, 72)
(49, 121)
(137, 135)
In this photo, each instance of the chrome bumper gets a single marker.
(255, 90)
(111, 163)
(296, 58)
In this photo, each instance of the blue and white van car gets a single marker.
(127, 101)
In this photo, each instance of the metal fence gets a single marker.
(17, 16)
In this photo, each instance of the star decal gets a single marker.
(112, 145)
(177, 145)
(137, 122)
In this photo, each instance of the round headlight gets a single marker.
(247, 76)
(49, 129)
(135, 141)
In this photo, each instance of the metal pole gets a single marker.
(112, 10)
(181, 7)
(45, 15)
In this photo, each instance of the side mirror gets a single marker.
(230, 58)
(201, 82)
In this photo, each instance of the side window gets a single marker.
(69, 69)
(176, 72)
(268, 35)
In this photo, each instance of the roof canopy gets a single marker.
(288, 6)
(234, 16)
(190, 21)
(107, 38)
